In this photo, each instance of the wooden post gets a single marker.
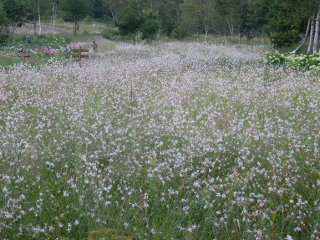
(79, 54)
(23, 54)
(79, 58)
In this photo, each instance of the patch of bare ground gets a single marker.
(45, 29)
(59, 28)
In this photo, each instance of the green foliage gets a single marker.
(168, 15)
(15, 11)
(60, 20)
(150, 24)
(30, 42)
(88, 19)
(76, 10)
(297, 62)
(111, 34)
(180, 33)
(41, 49)
(275, 58)
(285, 39)
(111, 234)
(130, 22)
(228, 7)
(133, 21)
(34, 7)
(305, 62)
(5, 33)
(100, 9)
(191, 17)
(251, 24)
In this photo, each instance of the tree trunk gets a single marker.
(310, 48)
(304, 39)
(231, 27)
(316, 34)
(54, 15)
(39, 17)
(159, 34)
(134, 38)
(76, 27)
(35, 27)
(206, 27)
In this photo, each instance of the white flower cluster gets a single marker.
(164, 141)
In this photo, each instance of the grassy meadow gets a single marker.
(158, 141)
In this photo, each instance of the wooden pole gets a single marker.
(80, 57)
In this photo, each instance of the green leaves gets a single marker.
(76, 10)
(274, 58)
(133, 20)
(297, 62)
(285, 39)
(150, 24)
(4, 29)
(130, 22)
(15, 11)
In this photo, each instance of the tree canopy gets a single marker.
(283, 21)
(16, 12)
(4, 28)
(76, 10)
(134, 20)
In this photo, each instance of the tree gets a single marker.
(15, 11)
(208, 15)
(4, 28)
(37, 7)
(249, 26)
(54, 12)
(311, 40)
(117, 7)
(134, 20)
(149, 24)
(76, 10)
(196, 16)
(168, 15)
(304, 39)
(231, 10)
(130, 21)
(288, 20)
(316, 32)
(101, 9)
(190, 18)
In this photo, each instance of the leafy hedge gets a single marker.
(297, 62)
(285, 39)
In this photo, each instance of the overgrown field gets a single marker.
(163, 141)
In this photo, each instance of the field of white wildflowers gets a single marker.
(164, 141)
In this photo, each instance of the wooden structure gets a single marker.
(23, 54)
(79, 54)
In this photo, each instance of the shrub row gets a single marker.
(297, 62)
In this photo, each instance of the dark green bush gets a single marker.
(111, 34)
(180, 33)
(5, 33)
(285, 39)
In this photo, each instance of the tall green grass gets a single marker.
(164, 141)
